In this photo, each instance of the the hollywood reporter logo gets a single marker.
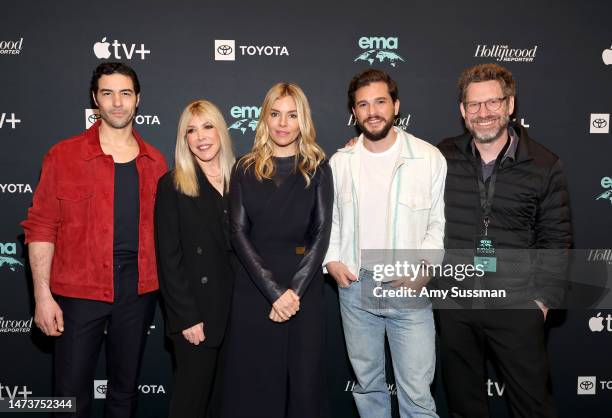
(11, 47)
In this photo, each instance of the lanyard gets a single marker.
(487, 193)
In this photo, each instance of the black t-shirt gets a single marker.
(127, 210)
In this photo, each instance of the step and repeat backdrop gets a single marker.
(231, 53)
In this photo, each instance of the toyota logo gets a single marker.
(101, 389)
(599, 123)
(586, 385)
(224, 49)
(93, 118)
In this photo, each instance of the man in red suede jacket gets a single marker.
(90, 238)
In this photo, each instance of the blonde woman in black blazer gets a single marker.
(193, 249)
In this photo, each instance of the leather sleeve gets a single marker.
(240, 227)
(320, 231)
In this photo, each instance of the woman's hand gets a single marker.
(287, 305)
(195, 334)
(274, 316)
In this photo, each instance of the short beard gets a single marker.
(487, 139)
(377, 136)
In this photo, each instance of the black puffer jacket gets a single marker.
(530, 211)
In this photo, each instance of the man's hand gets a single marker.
(195, 334)
(340, 273)
(49, 317)
(287, 305)
(351, 142)
(415, 283)
(542, 307)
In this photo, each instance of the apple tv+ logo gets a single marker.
(596, 323)
(102, 50)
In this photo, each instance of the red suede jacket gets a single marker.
(73, 208)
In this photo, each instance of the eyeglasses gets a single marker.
(491, 104)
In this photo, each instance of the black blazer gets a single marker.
(193, 259)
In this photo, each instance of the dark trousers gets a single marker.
(517, 341)
(76, 350)
(193, 379)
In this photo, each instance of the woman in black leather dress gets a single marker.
(281, 196)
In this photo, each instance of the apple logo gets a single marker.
(102, 50)
(606, 56)
(596, 323)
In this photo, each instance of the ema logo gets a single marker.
(400, 122)
(5, 119)
(245, 117)
(600, 123)
(606, 56)
(11, 47)
(15, 188)
(102, 50)
(587, 385)
(15, 325)
(379, 48)
(92, 115)
(101, 388)
(606, 183)
(596, 323)
(225, 50)
(505, 53)
(8, 249)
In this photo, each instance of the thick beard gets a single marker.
(486, 139)
(377, 136)
(114, 125)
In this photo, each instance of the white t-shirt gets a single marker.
(375, 175)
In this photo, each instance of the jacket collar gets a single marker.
(92, 149)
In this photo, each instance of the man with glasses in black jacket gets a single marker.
(505, 199)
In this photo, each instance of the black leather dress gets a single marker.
(280, 232)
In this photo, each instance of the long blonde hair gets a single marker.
(309, 154)
(185, 174)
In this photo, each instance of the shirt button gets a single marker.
(199, 250)
(204, 280)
